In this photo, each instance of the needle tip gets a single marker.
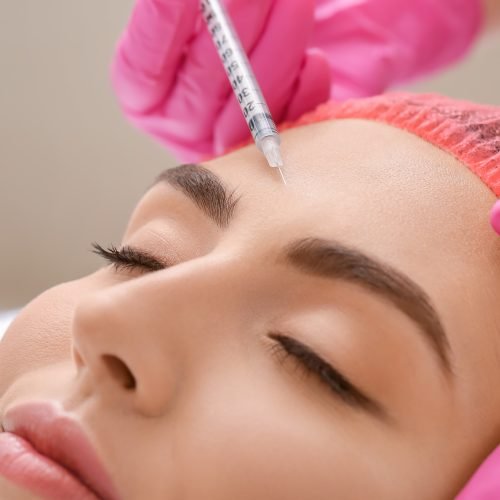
(282, 175)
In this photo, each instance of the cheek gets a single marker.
(262, 443)
(295, 462)
(41, 334)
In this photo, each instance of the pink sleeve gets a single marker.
(373, 45)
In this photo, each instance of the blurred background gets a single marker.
(71, 167)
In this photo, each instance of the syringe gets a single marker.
(243, 82)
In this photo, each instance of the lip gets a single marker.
(46, 451)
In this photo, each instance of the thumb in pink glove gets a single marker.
(170, 82)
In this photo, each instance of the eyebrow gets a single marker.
(332, 259)
(323, 258)
(205, 189)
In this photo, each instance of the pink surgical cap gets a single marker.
(468, 131)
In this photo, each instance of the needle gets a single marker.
(282, 175)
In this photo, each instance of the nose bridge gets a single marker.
(146, 328)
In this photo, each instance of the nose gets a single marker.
(119, 354)
(136, 340)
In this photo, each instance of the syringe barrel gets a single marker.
(239, 71)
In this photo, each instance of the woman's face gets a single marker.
(336, 337)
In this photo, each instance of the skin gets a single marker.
(216, 413)
(492, 14)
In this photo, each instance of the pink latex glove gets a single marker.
(485, 483)
(171, 84)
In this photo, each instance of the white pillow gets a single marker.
(6, 318)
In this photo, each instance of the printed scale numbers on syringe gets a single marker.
(249, 96)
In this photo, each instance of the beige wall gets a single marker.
(71, 168)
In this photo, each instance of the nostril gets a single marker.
(119, 371)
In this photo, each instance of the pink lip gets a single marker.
(46, 451)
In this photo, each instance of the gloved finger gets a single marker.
(148, 54)
(495, 223)
(203, 77)
(276, 61)
(312, 86)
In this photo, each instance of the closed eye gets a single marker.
(129, 258)
(314, 364)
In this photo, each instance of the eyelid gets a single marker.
(328, 375)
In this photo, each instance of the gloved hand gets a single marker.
(171, 83)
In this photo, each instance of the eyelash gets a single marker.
(311, 364)
(128, 258)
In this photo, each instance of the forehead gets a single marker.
(372, 182)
